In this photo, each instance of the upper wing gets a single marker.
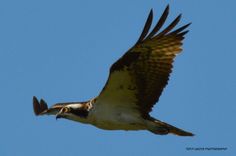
(137, 79)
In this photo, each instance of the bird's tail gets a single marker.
(162, 128)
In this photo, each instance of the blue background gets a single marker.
(61, 51)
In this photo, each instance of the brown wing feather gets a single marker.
(146, 27)
(148, 64)
(41, 107)
(159, 23)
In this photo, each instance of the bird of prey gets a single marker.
(134, 85)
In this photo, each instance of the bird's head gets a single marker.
(78, 111)
(73, 110)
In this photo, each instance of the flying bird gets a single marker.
(134, 85)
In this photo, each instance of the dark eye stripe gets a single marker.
(80, 112)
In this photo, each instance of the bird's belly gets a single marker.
(118, 121)
(110, 125)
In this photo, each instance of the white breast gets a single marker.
(114, 117)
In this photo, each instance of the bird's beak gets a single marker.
(62, 112)
(58, 116)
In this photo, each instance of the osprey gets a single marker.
(134, 85)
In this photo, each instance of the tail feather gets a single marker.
(162, 128)
(177, 131)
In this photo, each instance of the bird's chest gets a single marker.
(115, 118)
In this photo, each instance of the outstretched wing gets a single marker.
(137, 79)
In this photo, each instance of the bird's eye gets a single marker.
(64, 110)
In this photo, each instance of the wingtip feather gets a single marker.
(146, 27)
(36, 106)
(39, 106)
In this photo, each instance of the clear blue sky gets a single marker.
(62, 50)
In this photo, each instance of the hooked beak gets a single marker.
(58, 116)
(61, 113)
